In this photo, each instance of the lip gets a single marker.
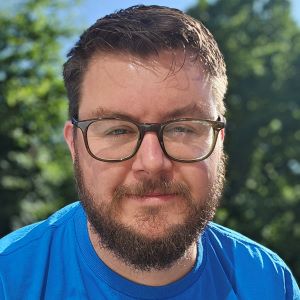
(154, 198)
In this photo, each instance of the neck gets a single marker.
(152, 277)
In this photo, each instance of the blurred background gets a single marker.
(260, 40)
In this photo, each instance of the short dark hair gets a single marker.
(143, 31)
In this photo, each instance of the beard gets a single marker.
(144, 251)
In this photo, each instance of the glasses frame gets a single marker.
(143, 128)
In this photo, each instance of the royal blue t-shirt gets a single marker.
(54, 259)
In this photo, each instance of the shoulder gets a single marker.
(234, 242)
(252, 267)
(35, 255)
(28, 235)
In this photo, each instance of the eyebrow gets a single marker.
(191, 110)
(101, 112)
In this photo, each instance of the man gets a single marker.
(146, 131)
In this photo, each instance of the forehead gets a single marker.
(146, 89)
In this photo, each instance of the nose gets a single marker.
(150, 158)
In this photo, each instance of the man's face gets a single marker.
(148, 201)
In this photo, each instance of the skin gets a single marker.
(145, 91)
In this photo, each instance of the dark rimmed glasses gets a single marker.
(116, 139)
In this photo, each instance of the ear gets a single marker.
(69, 137)
(222, 134)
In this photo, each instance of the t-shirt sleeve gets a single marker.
(1, 288)
(293, 291)
(296, 290)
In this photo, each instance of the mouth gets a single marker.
(154, 198)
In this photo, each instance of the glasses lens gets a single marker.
(188, 140)
(112, 139)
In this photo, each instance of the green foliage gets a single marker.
(261, 45)
(35, 170)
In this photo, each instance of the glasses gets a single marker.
(117, 139)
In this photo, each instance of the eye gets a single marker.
(117, 131)
(179, 130)
(107, 129)
(125, 132)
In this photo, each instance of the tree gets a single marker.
(261, 45)
(35, 170)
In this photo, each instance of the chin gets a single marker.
(155, 227)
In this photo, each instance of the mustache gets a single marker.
(158, 186)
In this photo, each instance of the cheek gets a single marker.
(202, 175)
(101, 178)
(197, 176)
(215, 159)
